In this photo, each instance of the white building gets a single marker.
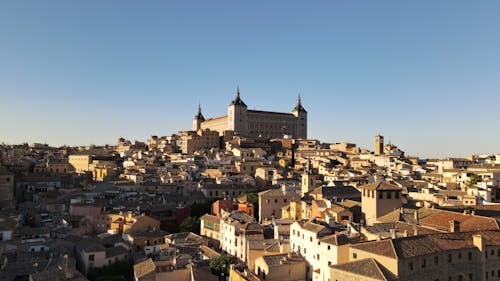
(319, 246)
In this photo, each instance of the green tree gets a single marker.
(190, 224)
(221, 265)
(473, 179)
(117, 271)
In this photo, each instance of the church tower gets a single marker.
(301, 115)
(237, 115)
(309, 179)
(198, 119)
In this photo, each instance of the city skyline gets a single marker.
(424, 75)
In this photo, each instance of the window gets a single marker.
(329, 247)
(459, 255)
(424, 263)
(354, 255)
(410, 266)
(436, 260)
(310, 239)
(317, 257)
(380, 195)
(275, 200)
(91, 257)
(389, 195)
(449, 258)
(470, 255)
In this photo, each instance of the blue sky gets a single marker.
(425, 74)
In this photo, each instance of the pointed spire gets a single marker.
(199, 116)
(299, 107)
(237, 100)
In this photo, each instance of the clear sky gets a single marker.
(425, 74)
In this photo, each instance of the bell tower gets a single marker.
(301, 114)
(198, 119)
(237, 115)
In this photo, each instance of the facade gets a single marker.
(380, 199)
(255, 123)
(210, 226)
(232, 238)
(281, 267)
(320, 247)
(444, 256)
(191, 141)
(379, 145)
(272, 201)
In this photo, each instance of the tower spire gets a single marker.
(199, 116)
(237, 100)
(299, 107)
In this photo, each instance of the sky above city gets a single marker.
(425, 74)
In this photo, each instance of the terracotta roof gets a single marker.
(210, 218)
(366, 267)
(144, 268)
(408, 247)
(381, 185)
(440, 220)
(382, 248)
(279, 259)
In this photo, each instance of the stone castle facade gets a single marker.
(256, 123)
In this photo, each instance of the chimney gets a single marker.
(454, 226)
(393, 234)
(478, 241)
(415, 216)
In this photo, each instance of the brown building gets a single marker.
(255, 123)
(380, 199)
(444, 256)
(6, 188)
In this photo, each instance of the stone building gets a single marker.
(444, 256)
(254, 123)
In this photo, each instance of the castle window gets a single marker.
(389, 194)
